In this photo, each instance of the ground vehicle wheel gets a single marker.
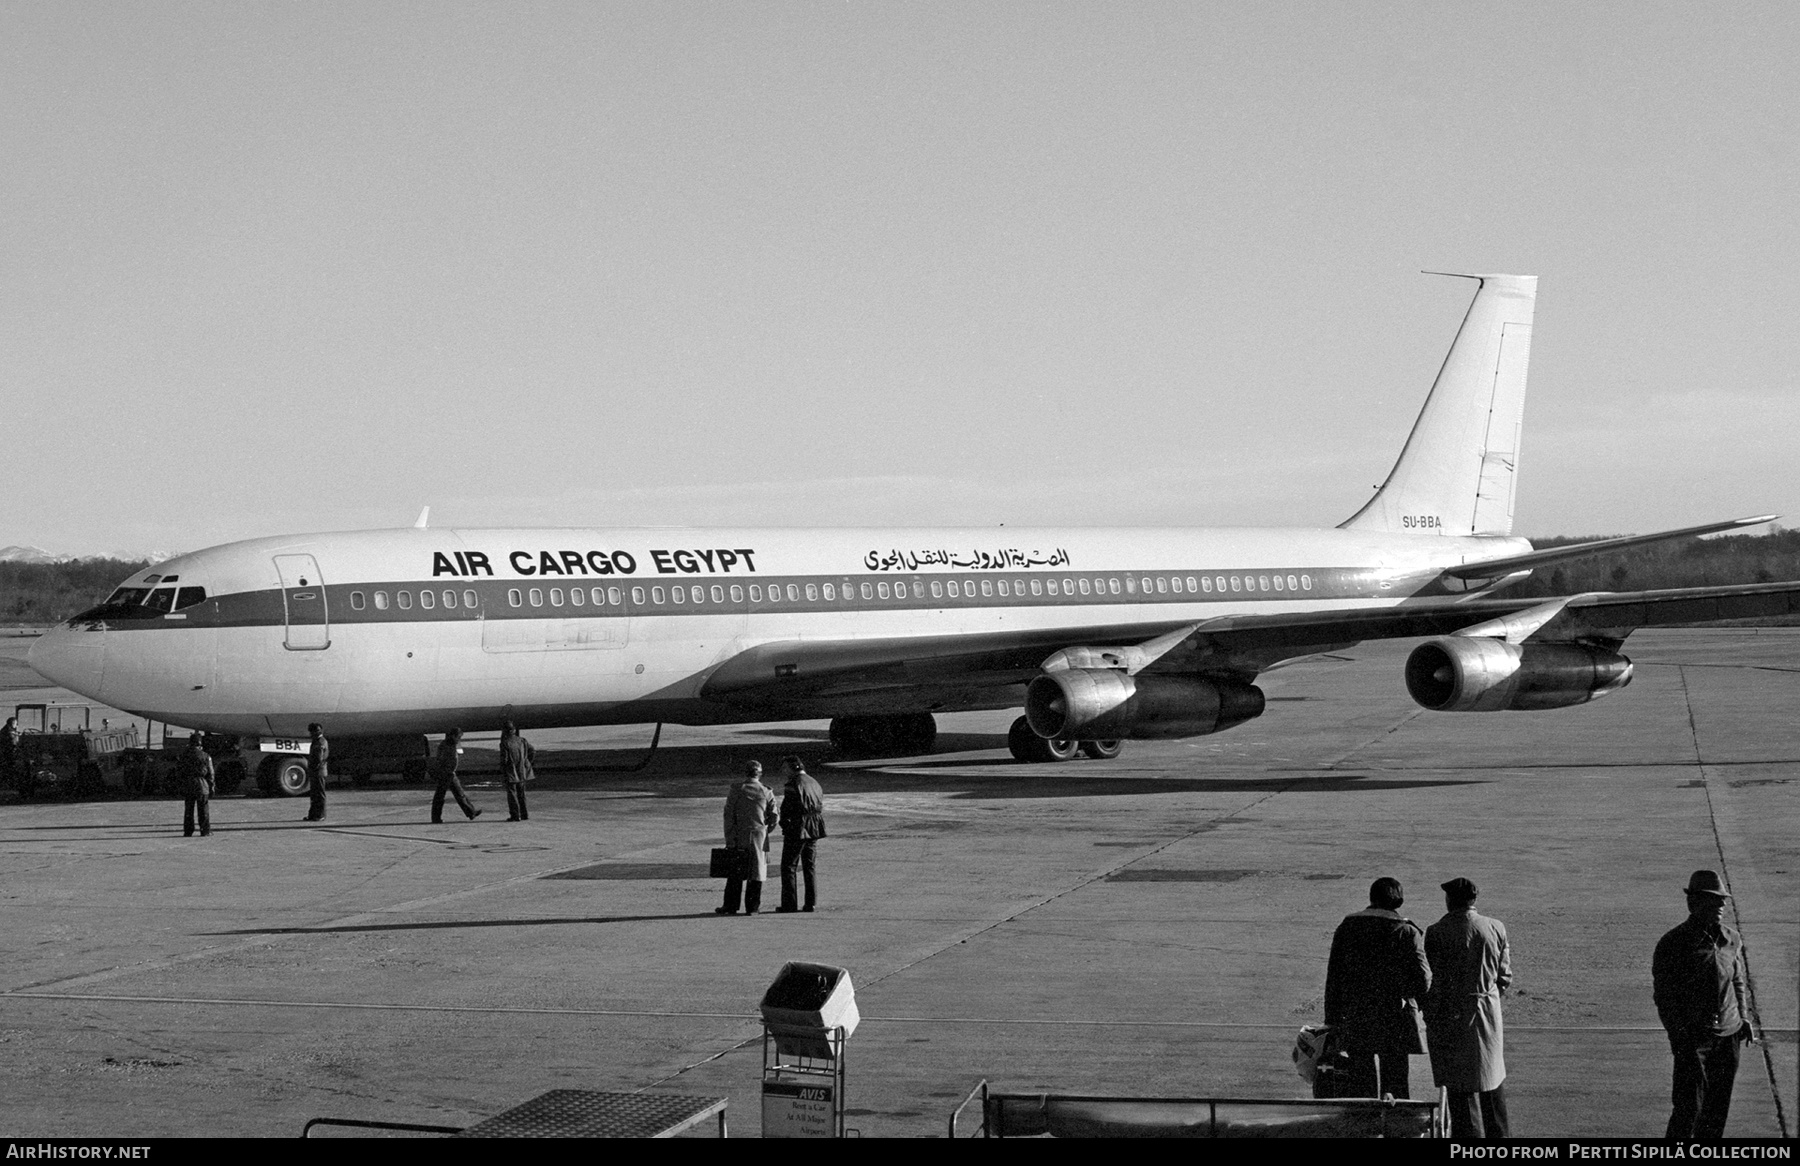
(1028, 746)
(87, 782)
(1102, 750)
(283, 777)
(133, 777)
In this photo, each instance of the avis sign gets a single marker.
(793, 1110)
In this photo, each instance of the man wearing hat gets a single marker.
(1699, 988)
(1471, 969)
(1376, 973)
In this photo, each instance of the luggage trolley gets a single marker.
(808, 1015)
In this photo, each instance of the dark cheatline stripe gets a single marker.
(636, 595)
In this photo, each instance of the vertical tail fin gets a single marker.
(1456, 474)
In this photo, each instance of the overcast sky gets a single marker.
(270, 268)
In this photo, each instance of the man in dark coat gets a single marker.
(516, 754)
(318, 771)
(448, 751)
(9, 750)
(197, 777)
(1698, 973)
(1471, 968)
(802, 825)
(1376, 975)
(749, 812)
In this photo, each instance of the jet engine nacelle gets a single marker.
(1478, 675)
(1095, 704)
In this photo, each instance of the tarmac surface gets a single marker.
(1156, 924)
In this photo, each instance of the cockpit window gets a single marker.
(127, 597)
(188, 596)
(161, 600)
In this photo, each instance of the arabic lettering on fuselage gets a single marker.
(1003, 559)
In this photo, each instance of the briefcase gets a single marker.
(727, 863)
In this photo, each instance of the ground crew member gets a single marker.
(1376, 975)
(318, 770)
(447, 753)
(749, 812)
(1471, 969)
(197, 777)
(802, 825)
(9, 750)
(1698, 974)
(516, 754)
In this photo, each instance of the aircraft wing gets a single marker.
(792, 673)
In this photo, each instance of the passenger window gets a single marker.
(1205, 583)
(470, 599)
(1192, 584)
(576, 597)
(405, 598)
(812, 592)
(1050, 586)
(1219, 581)
(637, 597)
(793, 593)
(868, 592)
(1265, 582)
(1162, 585)
(512, 596)
(1278, 582)
(1234, 582)
(881, 589)
(987, 587)
(556, 597)
(678, 594)
(1148, 586)
(1084, 586)
(755, 593)
(718, 594)
(1175, 584)
(656, 596)
(536, 596)
(937, 589)
(381, 600)
(830, 591)
(1037, 586)
(1131, 585)
(1292, 584)
(737, 593)
(1068, 586)
(918, 589)
(188, 596)
(356, 601)
(449, 599)
(614, 595)
(1306, 582)
(427, 600)
(1112, 585)
(1002, 586)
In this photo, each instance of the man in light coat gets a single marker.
(749, 812)
(1376, 974)
(1471, 968)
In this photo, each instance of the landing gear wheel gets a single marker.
(1028, 746)
(1102, 750)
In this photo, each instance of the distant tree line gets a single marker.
(43, 593)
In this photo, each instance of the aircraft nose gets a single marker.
(70, 658)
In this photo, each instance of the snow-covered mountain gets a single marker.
(18, 554)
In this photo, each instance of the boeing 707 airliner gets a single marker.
(1100, 635)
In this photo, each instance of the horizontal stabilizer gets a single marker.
(1494, 568)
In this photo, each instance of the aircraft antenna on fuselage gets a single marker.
(423, 515)
(1458, 471)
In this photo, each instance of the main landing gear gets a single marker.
(883, 736)
(1028, 746)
